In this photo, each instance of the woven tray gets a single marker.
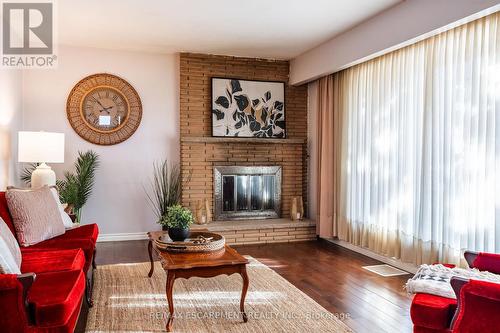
(194, 243)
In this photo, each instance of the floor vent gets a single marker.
(385, 270)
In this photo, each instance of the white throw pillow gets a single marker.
(10, 253)
(65, 217)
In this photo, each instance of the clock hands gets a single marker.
(106, 109)
(95, 99)
(103, 108)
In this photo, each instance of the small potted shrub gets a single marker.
(178, 219)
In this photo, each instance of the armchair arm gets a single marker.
(14, 307)
(457, 283)
(26, 281)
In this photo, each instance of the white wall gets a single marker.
(118, 204)
(10, 124)
(401, 25)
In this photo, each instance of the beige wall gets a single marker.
(118, 203)
(10, 124)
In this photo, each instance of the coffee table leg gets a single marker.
(170, 287)
(150, 250)
(243, 273)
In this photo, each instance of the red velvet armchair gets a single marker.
(476, 308)
(56, 277)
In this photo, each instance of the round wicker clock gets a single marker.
(104, 109)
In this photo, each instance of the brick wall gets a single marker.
(198, 157)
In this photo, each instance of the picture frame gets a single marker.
(248, 108)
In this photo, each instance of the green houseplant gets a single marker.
(76, 187)
(27, 171)
(178, 219)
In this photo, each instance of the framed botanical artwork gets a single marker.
(243, 108)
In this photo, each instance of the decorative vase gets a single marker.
(178, 234)
(203, 215)
(300, 207)
(293, 209)
(199, 213)
(208, 211)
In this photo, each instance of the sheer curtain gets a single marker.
(417, 158)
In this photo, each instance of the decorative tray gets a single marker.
(198, 241)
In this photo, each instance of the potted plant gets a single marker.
(76, 187)
(178, 219)
(165, 190)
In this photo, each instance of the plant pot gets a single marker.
(164, 228)
(178, 234)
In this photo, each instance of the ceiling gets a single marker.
(280, 29)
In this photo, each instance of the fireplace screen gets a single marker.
(247, 192)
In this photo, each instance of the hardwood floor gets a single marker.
(331, 275)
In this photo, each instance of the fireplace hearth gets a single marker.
(247, 192)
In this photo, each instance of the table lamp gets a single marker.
(41, 147)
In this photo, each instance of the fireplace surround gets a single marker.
(200, 152)
(247, 192)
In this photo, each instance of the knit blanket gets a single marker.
(435, 279)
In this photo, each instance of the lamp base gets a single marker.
(43, 175)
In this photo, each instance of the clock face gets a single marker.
(105, 109)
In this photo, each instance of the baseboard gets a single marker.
(122, 237)
(386, 260)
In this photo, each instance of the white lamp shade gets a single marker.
(41, 147)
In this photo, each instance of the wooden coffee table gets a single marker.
(200, 264)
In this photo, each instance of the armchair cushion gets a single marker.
(488, 262)
(52, 261)
(62, 243)
(83, 237)
(431, 311)
(56, 296)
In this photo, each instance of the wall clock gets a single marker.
(104, 109)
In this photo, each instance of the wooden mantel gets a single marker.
(209, 139)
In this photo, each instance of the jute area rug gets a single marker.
(126, 300)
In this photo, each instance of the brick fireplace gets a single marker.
(200, 152)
